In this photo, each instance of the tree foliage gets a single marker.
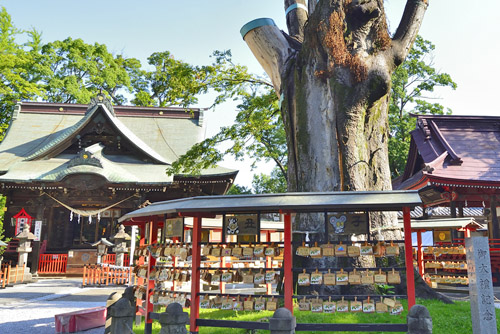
(413, 82)
(73, 71)
(16, 68)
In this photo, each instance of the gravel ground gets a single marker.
(30, 308)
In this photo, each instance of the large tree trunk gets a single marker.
(333, 73)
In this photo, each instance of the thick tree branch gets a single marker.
(296, 17)
(408, 29)
(311, 4)
(270, 47)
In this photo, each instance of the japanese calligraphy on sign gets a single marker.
(347, 223)
(174, 227)
(241, 224)
(480, 285)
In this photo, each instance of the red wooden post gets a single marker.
(15, 274)
(420, 254)
(152, 239)
(410, 277)
(84, 274)
(140, 261)
(287, 263)
(8, 275)
(107, 276)
(195, 277)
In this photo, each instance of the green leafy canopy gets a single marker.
(412, 86)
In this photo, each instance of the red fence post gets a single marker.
(195, 275)
(410, 277)
(287, 263)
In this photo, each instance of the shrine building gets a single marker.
(78, 168)
(454, 161)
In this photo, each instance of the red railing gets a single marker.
(52, 263)
(105, 275)
(111, 259)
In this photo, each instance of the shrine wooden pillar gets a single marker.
(39, 215)
(139, 262)
(410, 277)
(287, 262)
(494, 218)
(195, 274)
(152, 239)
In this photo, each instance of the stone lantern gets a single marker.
(102, 248)
(120, 248)
(24, 248)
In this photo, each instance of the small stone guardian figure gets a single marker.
(122, 313)
(174, 320)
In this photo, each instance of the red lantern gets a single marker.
(22, 218)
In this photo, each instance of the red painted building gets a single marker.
(455, 161)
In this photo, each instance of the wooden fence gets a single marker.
(11, 275)
(52, 263)
(95, 275)
(56, 263)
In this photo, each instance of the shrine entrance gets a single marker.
(73, 231)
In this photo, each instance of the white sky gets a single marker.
(465, 34)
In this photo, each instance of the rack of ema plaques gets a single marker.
(322, 265)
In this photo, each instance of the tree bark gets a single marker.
(333, 73)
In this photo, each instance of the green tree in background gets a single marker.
(16, 64)
(72, 71)
(411, 82)
(2, 230)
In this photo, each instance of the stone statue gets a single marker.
(122, 313)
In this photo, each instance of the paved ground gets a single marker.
(30, 308)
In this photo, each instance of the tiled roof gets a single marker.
(461, 148)
(28, 152)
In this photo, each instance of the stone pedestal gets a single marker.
(419, 320)
(282, 322)
(174, 320)
(482, 302)
(122, 313)
(120, 256)
(112, 299)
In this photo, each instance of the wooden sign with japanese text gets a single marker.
(341, 223)
(174, 227)
(241, 224)
(482, 298)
